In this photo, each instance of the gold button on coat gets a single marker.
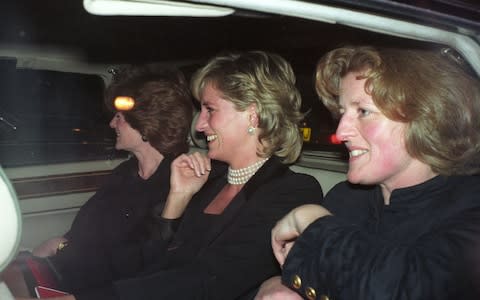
(61, 246)
(296, 282)
(311, 294)
(324, 297)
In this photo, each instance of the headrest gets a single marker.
(10, 221)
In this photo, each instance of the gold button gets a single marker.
(297, 282)
(62, 245)
(324, 297)
(311, 294)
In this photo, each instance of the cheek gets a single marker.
(224, 126)
(388, 146)
(375, 135)
(384, 135)
(389, 161)
(214, 122)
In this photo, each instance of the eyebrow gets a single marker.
(356, 102)
(207, 102)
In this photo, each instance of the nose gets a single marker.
(345, 128)
(201, 122)
(113, 121)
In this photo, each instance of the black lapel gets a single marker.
(271, 169)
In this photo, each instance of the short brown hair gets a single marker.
(163, 109)
(266, 80)
(434, 95)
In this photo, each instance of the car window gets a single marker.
(52, 117)
(318, 127)
(121, 39)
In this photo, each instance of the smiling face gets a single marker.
(376, 144)
(128, 138)
(226, 129)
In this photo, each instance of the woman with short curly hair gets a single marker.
(406, 225)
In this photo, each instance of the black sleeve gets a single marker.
(339, 259)
(92, 266)
(163, 229)
(129, 261)
(133, 258)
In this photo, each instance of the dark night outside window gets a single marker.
(52, 117)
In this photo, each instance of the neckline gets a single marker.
(241, 176)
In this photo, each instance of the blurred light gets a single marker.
(123, 103)
(76, 129)
(334, 139)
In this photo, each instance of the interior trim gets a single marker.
(53, 185)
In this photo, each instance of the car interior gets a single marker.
(57, 56)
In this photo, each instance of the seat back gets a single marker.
(10, 221)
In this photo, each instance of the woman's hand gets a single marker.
(189, 174)
(48, 247)
(273, 289)
(285, 233)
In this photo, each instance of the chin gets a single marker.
(215, 155)
(354, 178)
(211, 154)
(361, 179)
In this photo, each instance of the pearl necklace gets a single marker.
(241, 176)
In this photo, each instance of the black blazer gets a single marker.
(234, 256)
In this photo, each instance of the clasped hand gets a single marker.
(284, 235)
(287, 230)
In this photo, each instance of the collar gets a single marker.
(414, 197)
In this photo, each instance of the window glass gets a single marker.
(318, 126)
(52, 117)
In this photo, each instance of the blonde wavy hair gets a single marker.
(266, 80)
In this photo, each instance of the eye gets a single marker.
(363, 112)
(207, 108)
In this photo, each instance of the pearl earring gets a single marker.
(144, 138)
(251, 128)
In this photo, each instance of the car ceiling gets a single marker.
(449, 14)
(112, 39)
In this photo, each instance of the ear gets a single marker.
(252, 111)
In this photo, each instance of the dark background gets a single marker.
(124, 38)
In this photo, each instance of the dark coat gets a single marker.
(423, 245)
(113, 216)
(229, 258)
